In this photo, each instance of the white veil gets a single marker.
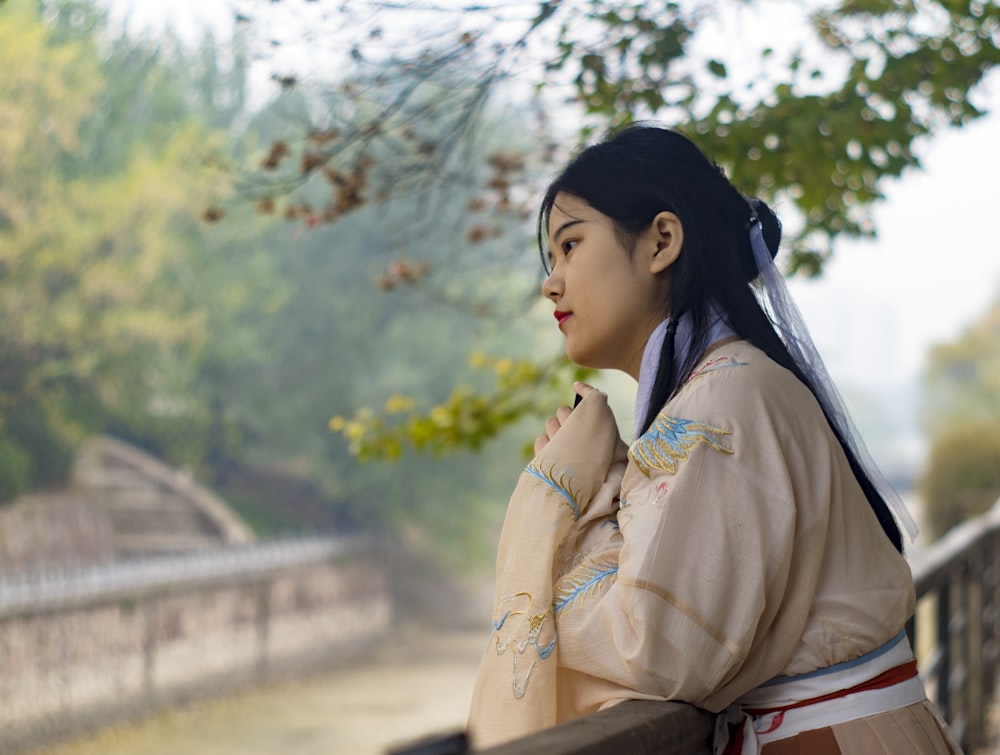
(784, 314)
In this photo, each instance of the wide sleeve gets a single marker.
(575, 479)
(708, 525)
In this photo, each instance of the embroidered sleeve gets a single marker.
(570, 489)
(700, 541)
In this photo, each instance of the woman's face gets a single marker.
(607, 298)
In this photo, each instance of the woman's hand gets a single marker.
(552, 424)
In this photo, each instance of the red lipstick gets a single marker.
(562, 316)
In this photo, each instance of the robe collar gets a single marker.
(717, 330)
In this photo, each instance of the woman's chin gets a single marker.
(573, 355)
(581, 359)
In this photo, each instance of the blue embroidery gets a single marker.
(583, 581)
(562, 490)
(668, 441)
(546, 651)
(716, 364)
(498, 624)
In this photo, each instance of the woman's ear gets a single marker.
(666, 235)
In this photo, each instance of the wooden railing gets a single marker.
(637, 727)
(955, 629)
(956, 633)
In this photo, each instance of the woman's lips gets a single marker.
(562, 317)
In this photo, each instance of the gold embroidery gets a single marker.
(668, 441)
(536, 622)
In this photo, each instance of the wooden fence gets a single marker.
(956, 631)
(957, 624)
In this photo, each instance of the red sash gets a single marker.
(887, 678)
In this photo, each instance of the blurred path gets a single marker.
(419, 685)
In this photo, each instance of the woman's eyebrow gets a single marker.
(563, 227)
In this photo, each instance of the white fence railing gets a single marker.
(45, 589)
(84, 648)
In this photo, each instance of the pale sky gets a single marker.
(935, 267)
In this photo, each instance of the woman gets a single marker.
(738, 556)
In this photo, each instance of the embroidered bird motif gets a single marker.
(560, 486)
(586, 580)
(668, 442)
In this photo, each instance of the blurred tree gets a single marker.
(68, 293)
(962, 383)
(816, 124)
(962, 416)
(819, 125)
(101, 190)
(962, 478)
(127, 308)
(391, 243)
(121, 310)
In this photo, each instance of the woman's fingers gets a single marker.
(552, 424)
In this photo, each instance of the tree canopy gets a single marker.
(86, 259)
(818, 123)
(815, 121)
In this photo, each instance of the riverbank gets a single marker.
(417, 684)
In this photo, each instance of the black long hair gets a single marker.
(646, 169)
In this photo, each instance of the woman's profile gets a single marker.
(741, 554)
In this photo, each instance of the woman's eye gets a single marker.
(567, 246)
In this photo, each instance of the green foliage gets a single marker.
(49, 455)
(223, 346)
(824, 148)
(630, 69)
(52, 77)
(466, 419)
(101, 248)
(962, 383)
(962, 478)
(15, 469)
(962, 415)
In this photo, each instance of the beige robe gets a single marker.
(729, 545)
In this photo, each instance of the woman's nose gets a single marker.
(552, 286)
